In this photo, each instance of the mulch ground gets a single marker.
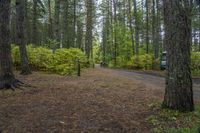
(98, 101)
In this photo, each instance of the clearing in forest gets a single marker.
(98, 101)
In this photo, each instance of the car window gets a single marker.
(164, 57)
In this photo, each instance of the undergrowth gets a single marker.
(62, 61)
(170, 121)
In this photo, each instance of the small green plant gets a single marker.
(170, 121)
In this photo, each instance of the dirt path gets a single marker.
(152, 80)
(101, 100)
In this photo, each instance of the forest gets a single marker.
(100, 66)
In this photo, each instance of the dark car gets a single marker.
(163, 61)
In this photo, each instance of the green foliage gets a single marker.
(169, 121)
(143, 62)
(96, 52)
(62, 61)
(51, 44)
(195, 63)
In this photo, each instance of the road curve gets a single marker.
(148, 79)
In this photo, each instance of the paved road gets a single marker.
(148, 79)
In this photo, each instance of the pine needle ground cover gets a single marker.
(99, 101)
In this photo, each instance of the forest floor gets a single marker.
(101, 100)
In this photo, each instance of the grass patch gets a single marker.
(170, 121)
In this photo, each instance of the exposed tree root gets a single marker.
(13, 85)
(28, 72)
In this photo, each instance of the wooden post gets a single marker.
(78, 67)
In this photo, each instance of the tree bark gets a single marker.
(178, 92)
(57, 22)
(89, 27)
(131, 26)
(50, 30)
(34, 24)
(27, 24)
(7, 78)
(154, 27)
(21, 41)
(74, 25)
(147, 26)
(136, 28)
(79, 35)
(115, 31)
(199, 28)
(65, 29)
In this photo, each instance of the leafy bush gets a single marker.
(63, 61)
(143, 62)
(195, 63)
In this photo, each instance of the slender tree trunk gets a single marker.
(7, 78)
(21, 41)
(178, 92)
(13, 27)
(57, 22)
(154, 27)
(27, 24)
(137, 40)
(89, 27)
(147, 26)
(104, 37)
(158, 28)
(115, 31)
(65, 29)
(199, 29)
(143, 22)
(74, 25)
(79, 35)
(50, 21)
(131, 26)
(195, 40)
(34, 26)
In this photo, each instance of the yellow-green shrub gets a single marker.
(63, 61)
(143, 62)
(195, 63)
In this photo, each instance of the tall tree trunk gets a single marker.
(154, 37)
(131, 26)
(199, 28)
(89, 27)
(13, 27)
(115, 31)
(34, 24)
(136, 28)
(178, 92)
(50, 29)
(158, 28)
(195, 40)
(21, 41)
(74, 25)
(27, 24)
(65, 29)
(104, 39)
(7, 78)
(57, 22)
(79, 35)
(142, 30)
(147, 26)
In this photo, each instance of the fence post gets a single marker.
(78, 67)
